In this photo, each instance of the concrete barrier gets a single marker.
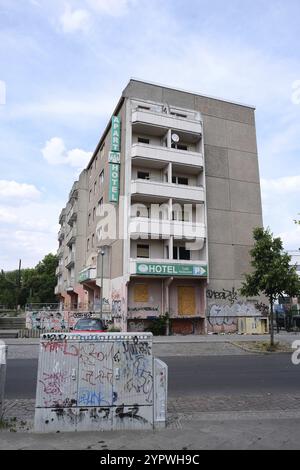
(3, 356)
(97, 382)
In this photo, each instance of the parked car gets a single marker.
(90, 324)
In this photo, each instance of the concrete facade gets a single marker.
(177, 239)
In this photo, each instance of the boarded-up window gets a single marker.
(141, 293)
(186, 301)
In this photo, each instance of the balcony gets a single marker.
(62, 216)
(168, 268)
(61, 234)
(165, 154)
(71, 236)
(143, 226)
(72, 214)
(70, 260)
(60, 252)
(57, 289)
(87, 274)
(167, 190)
(166, 120)
(59, 270)
(74, 191)
(69, 285)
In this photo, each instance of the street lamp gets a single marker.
(102, 253)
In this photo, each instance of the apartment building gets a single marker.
(161, 219)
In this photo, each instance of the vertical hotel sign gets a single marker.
(114, 160)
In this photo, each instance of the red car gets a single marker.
(90, 324)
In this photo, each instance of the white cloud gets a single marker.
(56, 153)
(280, 199)
(2, 92)
(284, 185)
(111, 7)
(74, 20)
(29, 233)
(12, 189)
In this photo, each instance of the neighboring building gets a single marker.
(175, 176)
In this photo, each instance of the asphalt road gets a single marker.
(192, 375)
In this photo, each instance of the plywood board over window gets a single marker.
(187, 301)
(141, 293)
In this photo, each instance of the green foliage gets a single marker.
(158, 325)
(272, 273)
(35, 284)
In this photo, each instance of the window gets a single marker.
(143, 140)
(93, 240)
(180, 180)
(88, 244)
(89, 219)
(95, 187)
(94, 213)
(142, 251)
(102, 150)
(90, 195)
(179, 146)
(100, 206)
(143, 175)
(178, 115)
(102, 177)
(180, 252)
(143, 108)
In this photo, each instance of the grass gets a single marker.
(12, 424)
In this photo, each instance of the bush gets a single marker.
(158, 325)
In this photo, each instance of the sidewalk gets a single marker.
(186, 431)
(221, 338)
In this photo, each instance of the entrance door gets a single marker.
(187, 301)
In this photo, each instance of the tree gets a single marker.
(34, 285)
(272, 273)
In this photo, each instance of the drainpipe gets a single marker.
(167, 285)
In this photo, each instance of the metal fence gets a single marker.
(3, 355)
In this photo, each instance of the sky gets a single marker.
(64, 64)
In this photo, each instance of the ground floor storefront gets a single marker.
(181, 302)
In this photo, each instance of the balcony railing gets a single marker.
(61, 234)
(165, 154)
(71, 236)
(72, 214)
(142, 226)
(87, 274)
(70, 260)
(167, 190)
(166, 120)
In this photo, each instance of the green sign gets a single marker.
(115, 134)
(154, 269)
(114, 180)
(114, 157)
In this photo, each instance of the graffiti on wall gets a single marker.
(53, 320)
(230, 295)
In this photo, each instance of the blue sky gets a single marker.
(63, 65)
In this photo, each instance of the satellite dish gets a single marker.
(175, 138)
